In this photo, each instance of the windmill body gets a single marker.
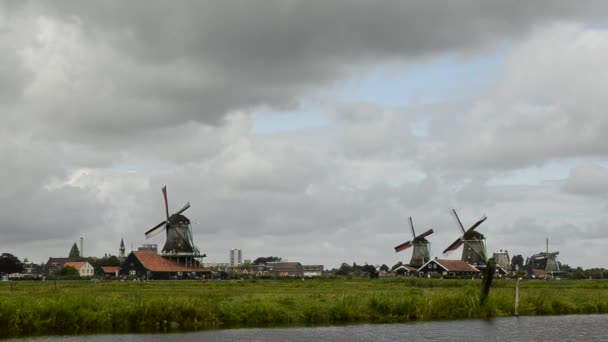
(474, 250)
(421, 253)
(178, 235)
(421, 247)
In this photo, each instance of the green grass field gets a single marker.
(79, 307)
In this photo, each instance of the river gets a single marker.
(533, 328)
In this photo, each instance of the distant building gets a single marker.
(31, 270)
(236, 257)
(54, 265)
(448, 267)
(84, 268)
(288, 269)
(313, 270)
(220, 265)
(151, 247)
(502, 260)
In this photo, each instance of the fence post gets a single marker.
(517, 297)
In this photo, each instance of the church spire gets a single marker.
(121, 250)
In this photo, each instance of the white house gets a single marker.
(84, 268)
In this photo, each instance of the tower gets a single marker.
(236, 257)
(121, 250)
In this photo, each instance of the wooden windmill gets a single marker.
(179, 232)
(421, 252)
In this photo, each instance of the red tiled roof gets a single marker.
(76, 264)
(109, 269)
(157, 263)
(456, 265)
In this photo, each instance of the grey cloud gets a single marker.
(37, 204)
(591, 180)
(131, 67)
(370, 132)
(547, 107)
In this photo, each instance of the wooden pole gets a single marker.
(517, 297)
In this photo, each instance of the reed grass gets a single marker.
(78, 307)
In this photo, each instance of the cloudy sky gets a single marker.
(310, 130)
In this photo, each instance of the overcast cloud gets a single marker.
(102, 103)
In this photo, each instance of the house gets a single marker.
(54, 265)
(145, 264)
(405, 270)
(288, 269)
(32, 270)
(109, 271)
(83, 267)
(448, 267)
(313, 270)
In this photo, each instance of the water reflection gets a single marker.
(548, 328)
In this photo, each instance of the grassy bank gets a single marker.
(39, 308)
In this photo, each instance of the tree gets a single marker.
(384, 268)
(517, 261)
(397, 265)
(265, 260)
(74, 252)
(111, 261)
(370, 269)
(69, 271)
(10, 264)
(345, 269)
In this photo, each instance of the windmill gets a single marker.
(474, 251)
(543, 264)
(421, 253)
(179, 232)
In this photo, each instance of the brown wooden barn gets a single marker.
(145, 264)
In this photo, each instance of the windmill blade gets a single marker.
(151, 232)
(454, 246)
(425, 234)
(476, 224)
(164, 189)
(412, 226)
(183, 209)
(155, 232)
(403, 246)
(458, 220)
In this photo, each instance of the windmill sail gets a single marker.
(403, 246)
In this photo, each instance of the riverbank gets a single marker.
(48, 308)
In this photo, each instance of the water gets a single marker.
(539, 328)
